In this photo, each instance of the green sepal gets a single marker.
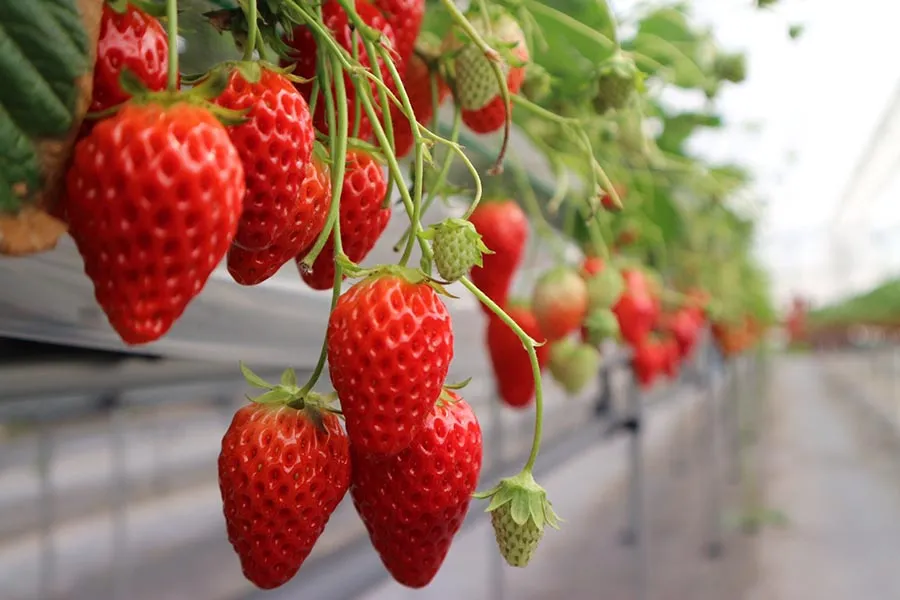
(458, 385)
(527, 499)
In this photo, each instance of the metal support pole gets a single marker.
(635, 533)
(603, 406)
(714, 544)
(47, 510)
(734, 401)
(119, 563)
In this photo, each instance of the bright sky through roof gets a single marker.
(817, 102)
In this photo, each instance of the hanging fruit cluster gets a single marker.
(288, 154)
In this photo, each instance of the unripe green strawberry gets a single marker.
(604, 288)
(457, 248)
(600, 325)
(517, 542)
(519, 511)
(573, 365)
(618, 78)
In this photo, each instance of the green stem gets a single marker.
(530, 345)
(337, 127)
(334, 92)
(441, 179)
(172, 32)
(252, 28)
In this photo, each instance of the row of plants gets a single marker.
(288, 136)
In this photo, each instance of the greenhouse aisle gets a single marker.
(833, 470)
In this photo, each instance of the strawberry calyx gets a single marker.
(413, 275)
(250, 70)
(525, 511)
(458, 385)
(200, 94)
(287, 392)
(154, 9)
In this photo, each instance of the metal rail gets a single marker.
(30, 398)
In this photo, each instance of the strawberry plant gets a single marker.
(313, 126)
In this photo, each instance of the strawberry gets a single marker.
(389, 345)
(601, 324)
(509, 359)
(405, 18)
(477, 89)
(414, 502)
(304, 53)
(130, 40)
(457, 248)
(251, 267)
(617, 79)
(560, 302)
(153, 197)
(573, 365)
(363, 219)
(670, 356)
(417, 82)
(636, 309)
(504, 229)
(604, 288)
(275, 143)
(685, 330)
(282, 472)
(519, 511)
(647, 361)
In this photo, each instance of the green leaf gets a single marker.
(43, 50)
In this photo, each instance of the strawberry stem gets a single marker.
(530, 346)
(172, 32)
(337, 128)
(250, 12)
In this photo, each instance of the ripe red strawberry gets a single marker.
(363, 218)
(275, 144)
(647, 362)
(504, 230)
(417, 82)
(670, 356)
(389, 345)
(153, 197)
(405, 18)
(477, 89)
(250, 267)
(685, 329)
(509, 359)
(413, 503)
(560, 302)
(305, 52)
(636, 308)
(130, 40)
(282, 472)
